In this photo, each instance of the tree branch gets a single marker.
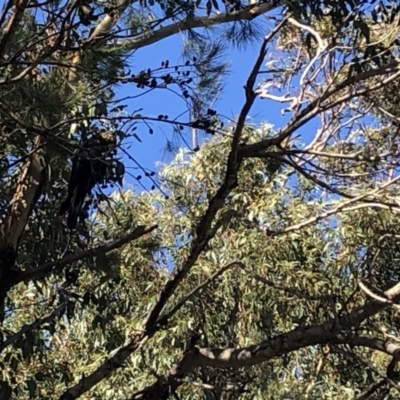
(28, 189)
(384, 346)
(8, 31)
(45, 269)
(104, 370)
(247, 14)
(372, 291)
(34, 325)
(204, 231)
(328, 332)
(203, 234)
(163, 320)
(320, 104)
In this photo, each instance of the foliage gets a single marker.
(261, 264)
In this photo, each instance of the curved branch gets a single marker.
(329, 332)
(247, 14)
(384, 346)
(372, 291)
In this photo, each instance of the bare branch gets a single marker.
(321, 104)
(248, 13)
(322, 46)
(373, 292)
(109, 21)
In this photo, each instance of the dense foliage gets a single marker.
(261, 263)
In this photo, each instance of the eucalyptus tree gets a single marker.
(263, 265)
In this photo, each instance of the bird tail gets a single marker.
(72, 219)
(64, 207)
(74, 212)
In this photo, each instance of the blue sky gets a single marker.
(158, 102)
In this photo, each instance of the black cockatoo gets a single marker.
(89, 167)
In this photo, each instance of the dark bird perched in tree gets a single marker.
(86, 12)
(90, 166)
